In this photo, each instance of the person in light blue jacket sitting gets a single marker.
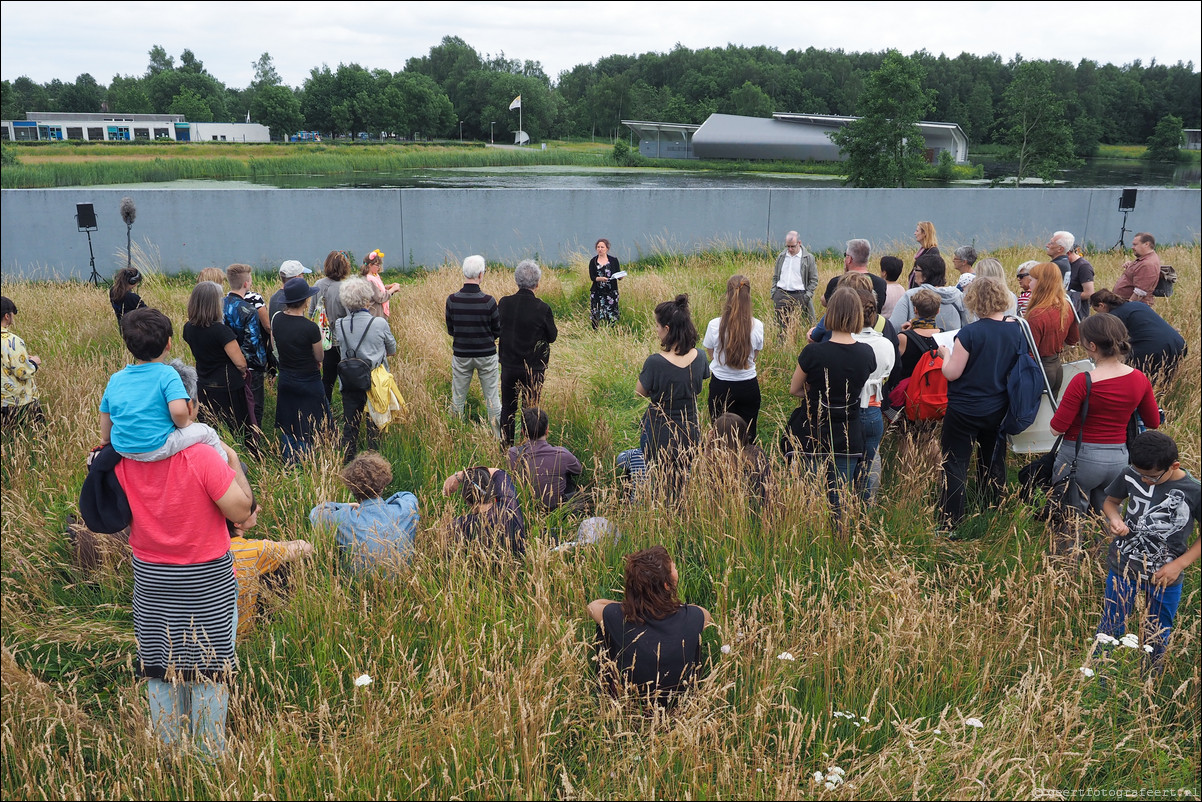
(371, 531)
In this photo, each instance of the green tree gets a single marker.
(884, 148)
(265, 73)
(1165, 143)
(751, 101)
(278, 108)
(127, 95)
(159, 61)
(85, 95)
(194, 107)
(1037, 135)
(24, 95)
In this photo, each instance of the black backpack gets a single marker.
(354, 371)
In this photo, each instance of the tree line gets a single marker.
(455, 84)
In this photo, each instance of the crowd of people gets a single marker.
(934, 354)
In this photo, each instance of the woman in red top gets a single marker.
(1117, 391)
(1052, 320)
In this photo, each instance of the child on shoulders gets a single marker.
(145, 411)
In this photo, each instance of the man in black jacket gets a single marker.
(527, 331)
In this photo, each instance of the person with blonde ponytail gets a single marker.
(1053, 322)
(732, 342)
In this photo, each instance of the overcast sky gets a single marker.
(64, 39)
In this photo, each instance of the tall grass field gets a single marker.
(916, 666)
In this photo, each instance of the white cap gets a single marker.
(292, 269)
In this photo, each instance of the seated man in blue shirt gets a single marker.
(371, 531)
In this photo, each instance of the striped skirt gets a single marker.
(184, 619)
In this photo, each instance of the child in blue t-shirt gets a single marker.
(144, 412)
(1149, 551)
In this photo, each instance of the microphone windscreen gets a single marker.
(128, 212)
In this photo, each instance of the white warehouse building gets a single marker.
(43, 126)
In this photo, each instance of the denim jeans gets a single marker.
(1162, 609)
(873, 424)
(190, 709)
(840, 477)
(462, 368)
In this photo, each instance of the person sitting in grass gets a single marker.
(145, 410)
(1149, 553)
(650, 642)
(371, 530)
(552, 469)
(259, 564)
(496, 517)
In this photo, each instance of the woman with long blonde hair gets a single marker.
(924, 234)
(732, 342)
(1053, 322)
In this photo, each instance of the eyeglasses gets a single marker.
(1151, 479)
(1023, 275)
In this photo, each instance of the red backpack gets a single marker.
(926, 393)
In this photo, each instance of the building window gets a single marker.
(95, 134)
(223, 137)
(75, 133)
(141, 133)
(4, 133)
(162, 133)
(118, 133)
(214, 137)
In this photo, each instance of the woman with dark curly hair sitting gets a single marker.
(650, 641)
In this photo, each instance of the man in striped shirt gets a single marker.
(474, 325)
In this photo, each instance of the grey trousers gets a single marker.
(489, 369)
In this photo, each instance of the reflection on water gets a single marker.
(1109, 173)
(1095, 173)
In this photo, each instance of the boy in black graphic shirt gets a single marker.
(1149, 551)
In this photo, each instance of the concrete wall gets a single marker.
(197, 228)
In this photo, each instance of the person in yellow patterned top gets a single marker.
(19, 392)
(260, 564)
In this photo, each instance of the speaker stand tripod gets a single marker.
(1121, 245)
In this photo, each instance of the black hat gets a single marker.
(297, 290)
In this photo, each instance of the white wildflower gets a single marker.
(1148, 648)
(1130, 640)
(818, 777)
(939, 732)
(973, 722)
(830, 786)
(784, 656)
(1102, 637)
(838, 772)
(856, 723)
(759, 771)
(1087, 671)
(362, 680)
(725, 648)
(838, 714)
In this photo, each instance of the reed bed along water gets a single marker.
(899, 643)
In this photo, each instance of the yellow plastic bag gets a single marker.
(385, 403)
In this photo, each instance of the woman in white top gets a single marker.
(871, 418)
(732, 342)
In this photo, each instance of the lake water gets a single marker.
(1095, 173)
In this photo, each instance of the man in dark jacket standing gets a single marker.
(527, 331)
(474, 325)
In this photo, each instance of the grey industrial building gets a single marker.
(783, 136)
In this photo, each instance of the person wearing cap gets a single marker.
(301, 406)
(288, 270)
(1024, 285)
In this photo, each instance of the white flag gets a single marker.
(516, 104)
